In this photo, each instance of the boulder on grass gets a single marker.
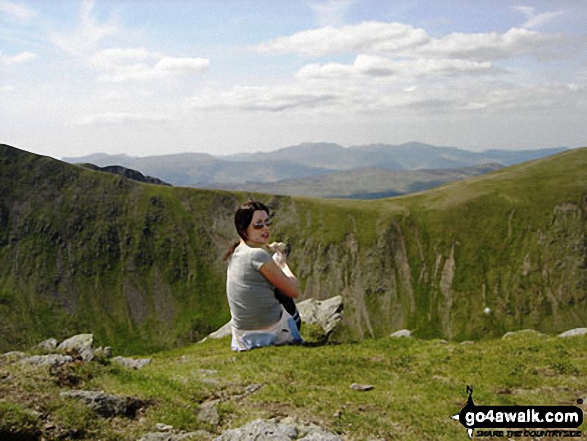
(81, 344)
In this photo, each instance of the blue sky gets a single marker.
(225, 76)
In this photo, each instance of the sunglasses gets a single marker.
(260, 225)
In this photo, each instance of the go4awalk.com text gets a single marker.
(520, 421)
(533, 433)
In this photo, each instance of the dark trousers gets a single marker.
(290, 306)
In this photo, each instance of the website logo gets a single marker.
(519, 420)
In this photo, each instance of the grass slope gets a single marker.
(84, 250)
(418, 386)
(140, 265)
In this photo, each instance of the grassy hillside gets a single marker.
(417, 386)
(512, 241)
(140, 265)
(81, 250)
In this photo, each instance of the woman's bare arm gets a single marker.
(284, 280)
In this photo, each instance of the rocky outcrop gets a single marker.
(80, 344)
(132, 363)
(199, 435)
(522, 332)
(325, 314)
(47, 360)
(274, 430)
(127, 173)
(577, 332)
(106, 405)
(76, 348)
(402, 333)
(224, 331)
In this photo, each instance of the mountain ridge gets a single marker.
(140, 265)
(305, 161)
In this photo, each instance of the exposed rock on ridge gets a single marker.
(127, 173)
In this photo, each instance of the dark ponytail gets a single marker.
(242, 220)
(230, 251)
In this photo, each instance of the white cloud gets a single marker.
(272, 99)
(6, 88)
(542, 19)
(88, 33)
(138, 64)
(392, 59)
(534, 20)
(115, 118)
(366, 37)
(22, 57)
(360, 97)
(397, 39)
(18, 11)
(490, 46)
(376, 66)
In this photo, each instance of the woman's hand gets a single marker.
(280, 258)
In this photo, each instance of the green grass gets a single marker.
(140, 266)
(418, 386)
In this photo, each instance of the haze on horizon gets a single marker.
(147, 78)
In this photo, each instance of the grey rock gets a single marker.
(361, 387)
(574, 332)
(163, 427)
(207, 372)
(12, 356)
(157, 436)
(252, 388)
(209, 413)
(47, 360)
(48, 345)
(521, 332)
(225, 331)
(402, 333)
(132, 363)
(103, 352)
(261, 430)
(104, 404)
(82, 344)
(199, 435)
(127, 173)
(321, 435)
(310, 431)
(325, 313)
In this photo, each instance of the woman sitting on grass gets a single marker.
(253, 276)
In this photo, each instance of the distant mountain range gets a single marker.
(365, 183)
(299, 170)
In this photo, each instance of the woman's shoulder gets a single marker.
(254, 254)
(244, 248)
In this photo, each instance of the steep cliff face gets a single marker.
(467, 261)
(141, 266)
(86, 251)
